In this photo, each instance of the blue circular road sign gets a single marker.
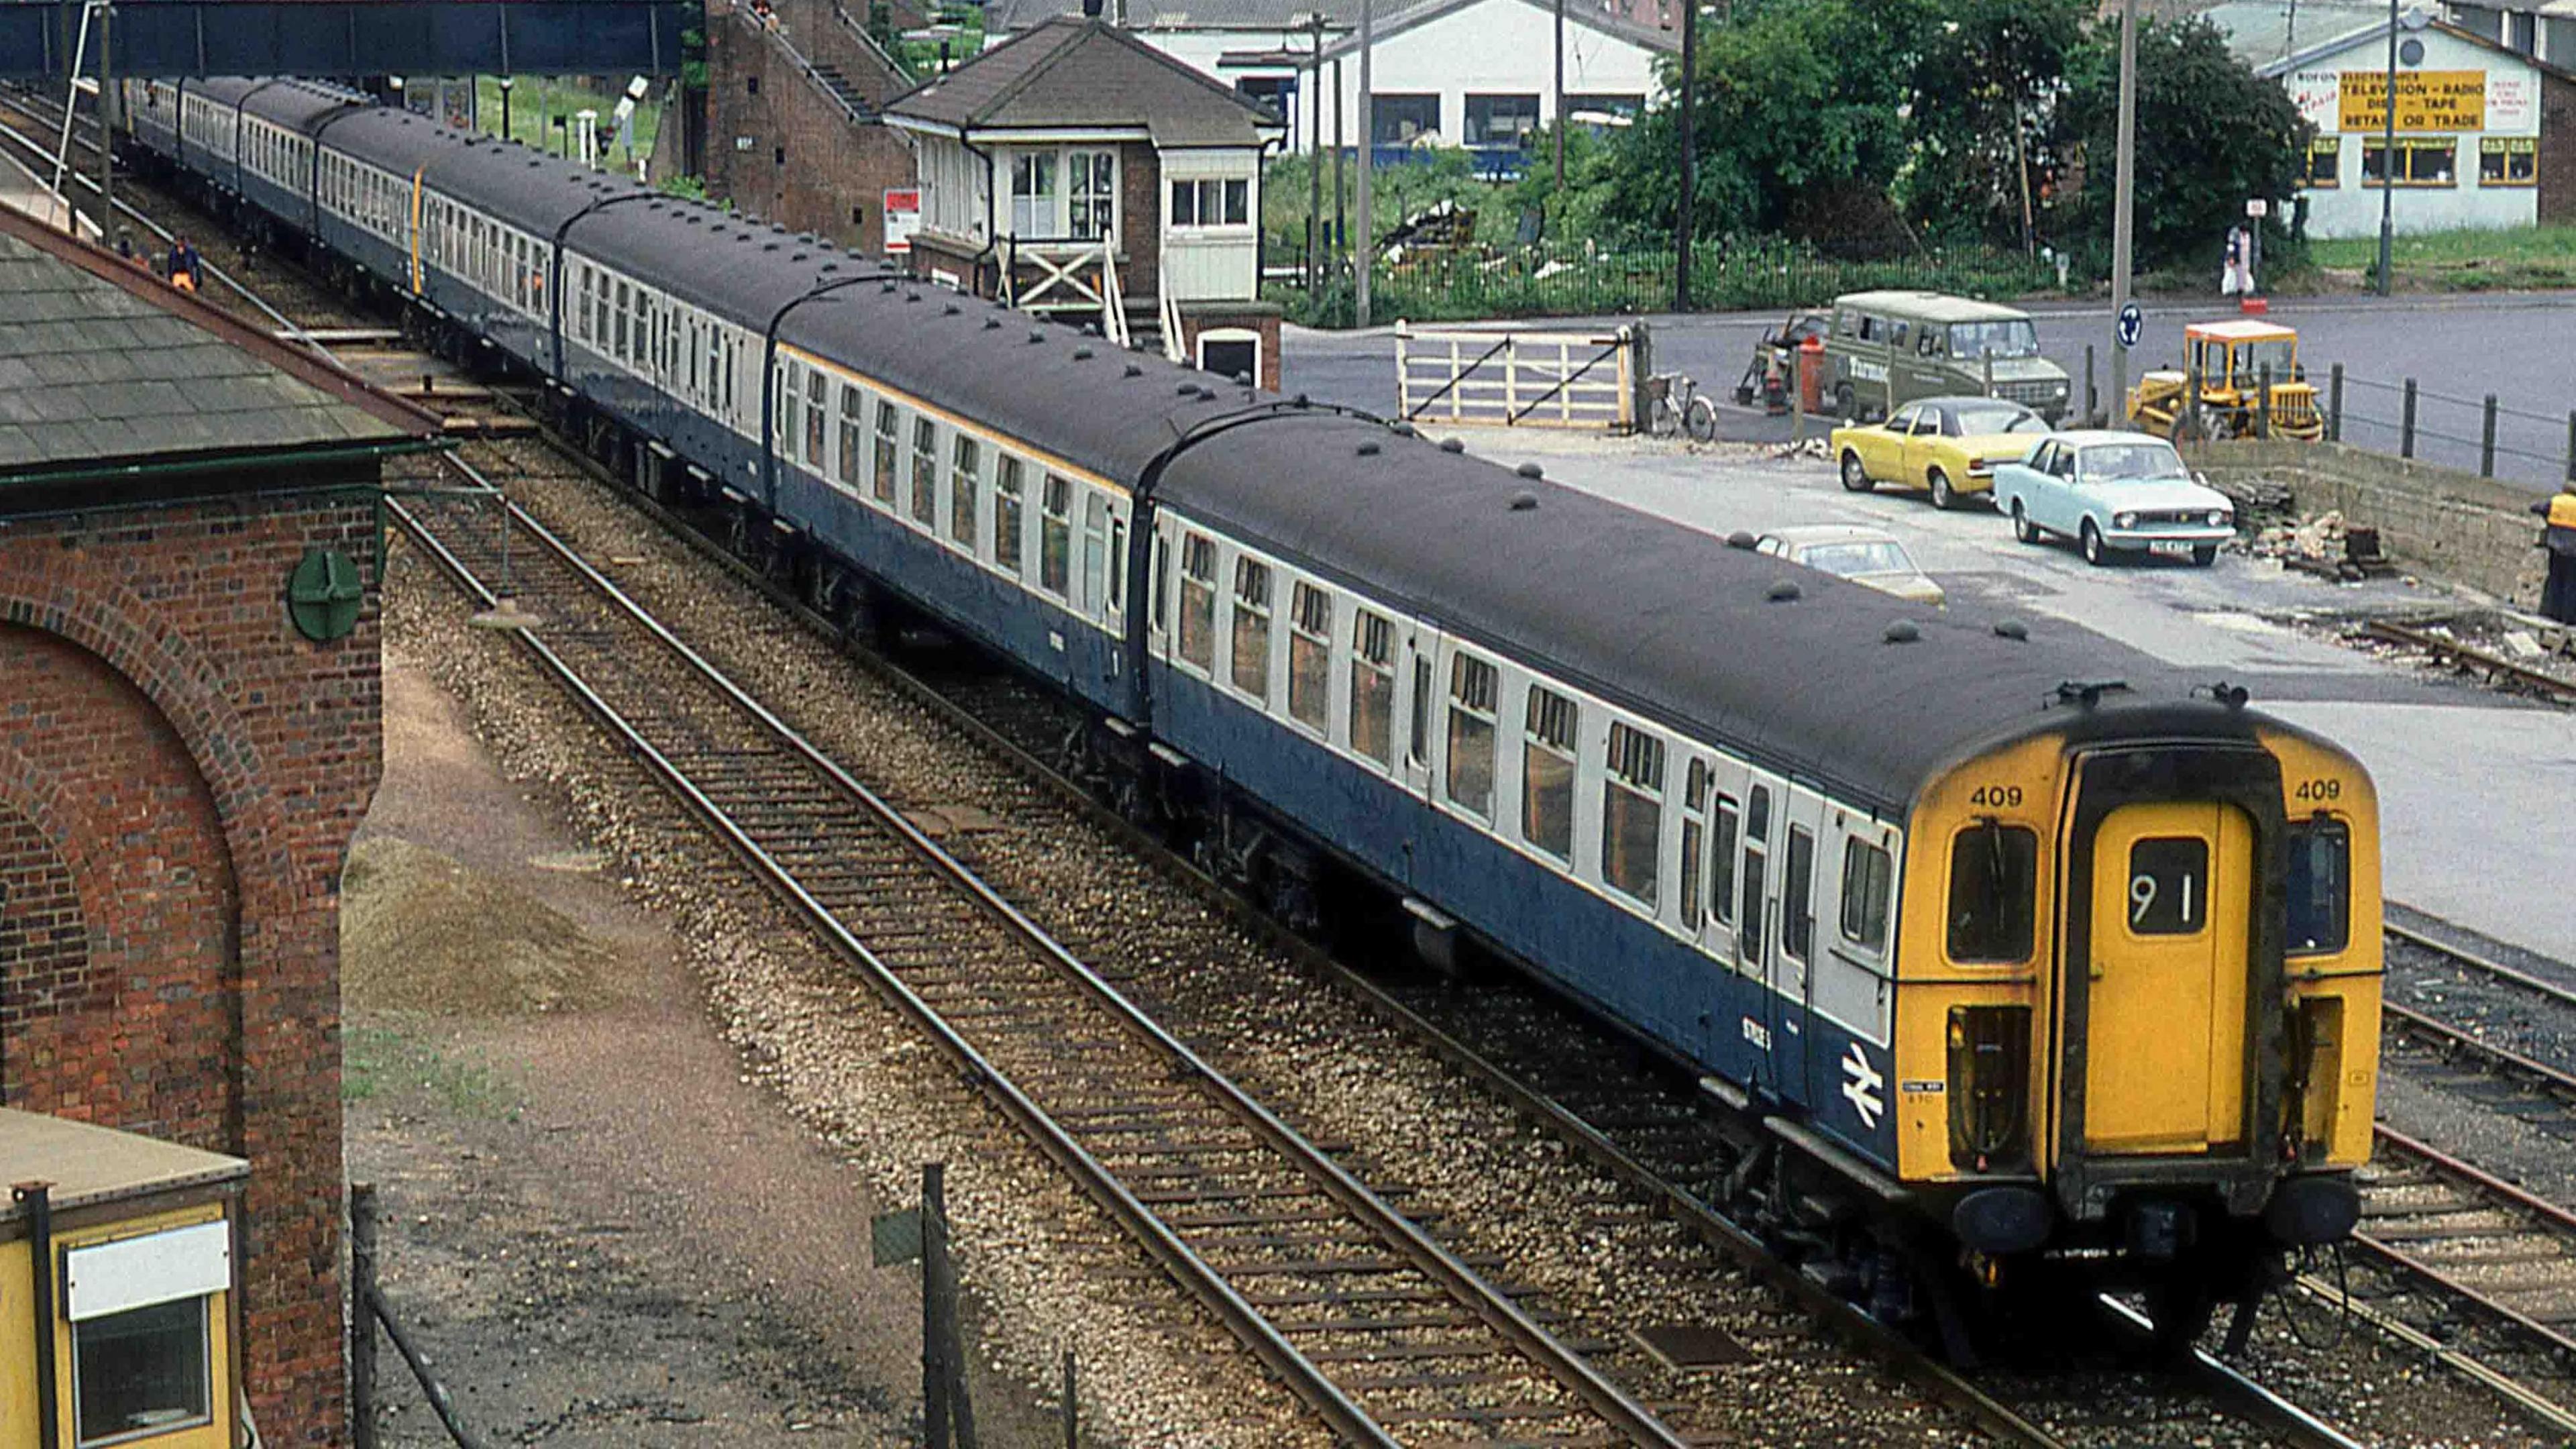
(2132, 321)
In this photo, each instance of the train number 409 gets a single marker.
(1997, 797)
(2321, 789)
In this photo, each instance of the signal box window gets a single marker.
(1473, 687)
(140, 1371)
(2320, 887)
(1994, 893)
(2169, 887)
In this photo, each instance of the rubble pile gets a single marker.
(2259, 501)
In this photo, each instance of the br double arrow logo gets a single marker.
(1862, 1086)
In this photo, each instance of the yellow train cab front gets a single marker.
(117, 1271)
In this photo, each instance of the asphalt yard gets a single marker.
(2472, 784)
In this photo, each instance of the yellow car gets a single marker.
(1949, 445)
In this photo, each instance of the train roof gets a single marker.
(1653, 614)
(298, 104)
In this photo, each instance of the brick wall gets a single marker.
(180, 772)
(2557, 149)
(780, 148)
(2451, 524)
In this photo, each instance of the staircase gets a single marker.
(832, 80)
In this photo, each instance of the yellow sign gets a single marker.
(2427, 100)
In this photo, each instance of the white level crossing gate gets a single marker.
(1518, 379)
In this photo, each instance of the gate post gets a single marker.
(2406, 427)
(2486, 439)
(2334, 406)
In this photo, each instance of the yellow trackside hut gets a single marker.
(117, 1267)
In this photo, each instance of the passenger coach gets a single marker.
(2003, 944)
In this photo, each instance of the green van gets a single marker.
(1888, 348)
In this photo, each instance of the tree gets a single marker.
(2212, 135)
(1982, 87)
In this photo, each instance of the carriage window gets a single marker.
(850, 414)
(1055, 534)
(1252, 627)
(1473, 687)
(1798, 928)
(1310, 656)
(1420, 746)
(1007, 546)
(1866, 878)
(1547, 773)
(965, 475)
(1632, 812)
(889, 428)
(623, 302)
(1694, 832)
(2168, 886)
(1373, 686)
(1994, 884)
(1117, 565)
(2320, 887)
(1757, 821)
(1721, 860)
(925, 472)
(815, 393)
(1198, 600)
(1749, 934)
(1095, 549)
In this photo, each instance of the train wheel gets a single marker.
(2180, 1308)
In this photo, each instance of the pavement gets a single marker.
(2520, 346)
(2459, 768)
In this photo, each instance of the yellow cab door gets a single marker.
(2165, 1020)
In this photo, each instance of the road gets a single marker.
(2519, 346)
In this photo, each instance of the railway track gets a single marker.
(1470, 1361)
(2496, 670)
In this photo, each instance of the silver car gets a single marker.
(1856, 552)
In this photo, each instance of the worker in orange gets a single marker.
(184, 265)
(2558, 536)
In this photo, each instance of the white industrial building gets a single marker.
(2482, 131)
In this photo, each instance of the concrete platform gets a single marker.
(2475, 787)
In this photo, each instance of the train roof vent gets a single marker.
(1785, 591)
(1902, 631)
(1524, 502)
(1036, 336)
(1452, 445)
(951, 310)
(992, 324)
(769, 246)
(829, 267)
(1530, 470)
(1082, 354)
(1131, 370)
(1741, 539)
(1188, 389)
(795, 256)
(1399, 427)
(2013, 629)
(1367, 450)
(910, 297)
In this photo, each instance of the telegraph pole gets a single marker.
(2388, 158)
(1690, 145)
(2121, 207)
(1315, 160)
(1368, 168)
(1559, 127)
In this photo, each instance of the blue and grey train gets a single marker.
(2010, 954)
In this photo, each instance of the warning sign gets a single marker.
(2427, 100)
(902, 217)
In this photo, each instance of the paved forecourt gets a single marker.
(2466, 777)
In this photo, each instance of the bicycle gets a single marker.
(1676, 405)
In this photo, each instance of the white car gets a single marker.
(2114, 492)
(1856, 552)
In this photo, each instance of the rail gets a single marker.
(1202, 1279)
(2497, 669)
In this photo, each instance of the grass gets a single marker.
(2466, 260)
(376, 1059)
(536, 104)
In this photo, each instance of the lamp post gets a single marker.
(2122, 211)
(1367, 127)
(2388, 156)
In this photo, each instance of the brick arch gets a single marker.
(85, 606)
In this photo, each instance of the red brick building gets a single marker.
(795, 93)
(188, 735)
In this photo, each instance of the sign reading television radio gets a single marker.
(2427, 100)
